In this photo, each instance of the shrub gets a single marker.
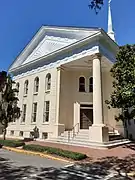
(12, 143)
(56, 151)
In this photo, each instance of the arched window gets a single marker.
(17, 88)
(36, 84)
(91, 84)
(26, 87)
(81, 84)
(48, 81)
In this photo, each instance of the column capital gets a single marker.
(60, 68)
(96, 56)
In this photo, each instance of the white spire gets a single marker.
(110, 25)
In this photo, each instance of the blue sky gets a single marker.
(20, 20)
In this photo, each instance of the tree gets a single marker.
(123, 95)
(9, 111)
(96, 5)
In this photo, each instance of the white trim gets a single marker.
(89, 84)
(84, 84)
(86, 108)
(87, 103)
(58, 63)
(87, 38)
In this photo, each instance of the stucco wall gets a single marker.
(39, 98)
(70, 95)
(71, 98)
(109, 114)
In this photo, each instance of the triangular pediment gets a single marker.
(50, 40)
(47, 46)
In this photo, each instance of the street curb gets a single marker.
(35, 154)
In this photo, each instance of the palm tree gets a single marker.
(9, 111)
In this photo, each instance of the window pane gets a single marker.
(35, 107)
(90, 88)
(82, 88)
(34, 114)
(82, 80)
(82, 84)
(48, 81)
(24, 113)
(26, 87)
(36, 84)
(91, 84)
(47, 105)
(46, 111)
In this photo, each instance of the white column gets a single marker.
(58, 94)
(97, 91)
(58, 127)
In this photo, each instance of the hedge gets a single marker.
(56, 151)
(12, 143)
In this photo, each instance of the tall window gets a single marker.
(46, 111)
(26, 87)
(17, 88)
(34, 112)
(81, 84)
(23, 113)
(36, 84)
(48, 81)
(91, 84)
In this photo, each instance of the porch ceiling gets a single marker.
(86, 63)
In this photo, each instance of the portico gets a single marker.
(86, 107)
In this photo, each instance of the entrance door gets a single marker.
(86, 118)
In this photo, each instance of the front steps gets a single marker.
(82, 139)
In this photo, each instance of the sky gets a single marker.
(21, 19)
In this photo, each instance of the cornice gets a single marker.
(58, 63)
(70, 46)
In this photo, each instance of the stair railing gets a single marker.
(74, 131)
(111, 127)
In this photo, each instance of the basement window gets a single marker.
(12, 133)
(44, 135)
(21, 133)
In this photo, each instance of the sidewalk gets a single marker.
(120, 152)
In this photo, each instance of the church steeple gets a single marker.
(110, 25)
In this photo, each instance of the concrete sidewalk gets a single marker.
(120, 152)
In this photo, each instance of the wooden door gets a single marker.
(86, 118)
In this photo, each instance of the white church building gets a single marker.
(63, 78)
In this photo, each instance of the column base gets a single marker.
(98, 133)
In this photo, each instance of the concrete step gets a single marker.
(90, 144)
(113, 137)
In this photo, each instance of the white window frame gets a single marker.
(26, 83)
(90, 84)
(48, 82)
(24, 109)
(34, 113)
(46, 112)
(84, 84)
(36, 85)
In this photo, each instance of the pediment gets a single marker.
(49, 40)
(48, 45)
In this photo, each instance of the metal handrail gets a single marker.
(108, 125)
(73, 130)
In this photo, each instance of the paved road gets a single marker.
(16, 166)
